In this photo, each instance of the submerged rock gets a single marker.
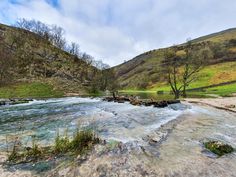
(14, 101)
(218, 147)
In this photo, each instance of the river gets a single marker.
(161, 141)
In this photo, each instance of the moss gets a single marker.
(218, 147)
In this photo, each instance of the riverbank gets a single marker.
(178, 151)
(224, 103)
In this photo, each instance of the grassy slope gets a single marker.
(214, 74)
(58, 63)
(148, 69)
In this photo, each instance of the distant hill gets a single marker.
(27, 58)
(144, 71)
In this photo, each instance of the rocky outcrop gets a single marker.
(14, 101)
(141, 102)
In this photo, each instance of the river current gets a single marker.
(43, 119)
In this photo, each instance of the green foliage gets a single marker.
(218, 148)
(81, 141)
(62, 144)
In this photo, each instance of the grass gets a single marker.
(225, 90)
(29, 90)
(218, 148)
(214, 74)
(80, 143)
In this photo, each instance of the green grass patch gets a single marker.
(80, 143)
(226, 90)
(29, 90)
(218, 148)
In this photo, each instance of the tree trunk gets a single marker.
(184, 92)
(114, 95)
(176, 94)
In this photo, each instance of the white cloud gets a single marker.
(118, 30)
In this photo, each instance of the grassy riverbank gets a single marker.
(225, 90)
(29, 90)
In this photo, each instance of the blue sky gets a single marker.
(118, 30)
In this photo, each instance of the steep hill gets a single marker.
(144, 71)
(26, 59)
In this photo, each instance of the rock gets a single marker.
(139, 102)
(161, 104)
(2, 103)
(14, 101)
(230, 106)
(135, 102)
(218, 147)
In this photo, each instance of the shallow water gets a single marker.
(181, 153)
(44, 118)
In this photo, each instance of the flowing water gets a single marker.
(44, 118)
(179, 151)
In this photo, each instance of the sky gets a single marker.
(118, 30)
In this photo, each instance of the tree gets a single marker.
(195, 60)
(52, 33)
(218, 49)
(171, 64)
(57, 37)
(182, 70)
(34, 26)
(73, 49)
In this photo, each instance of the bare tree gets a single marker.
(73, 49)
(57, 37)
(171, 64)
(181, 71)
(52, 33)
(37, 27)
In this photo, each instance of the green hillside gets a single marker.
(32, 66)
(143, 73)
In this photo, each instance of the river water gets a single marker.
(179, 151)
(43, 119)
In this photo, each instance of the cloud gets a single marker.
(118, 30)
